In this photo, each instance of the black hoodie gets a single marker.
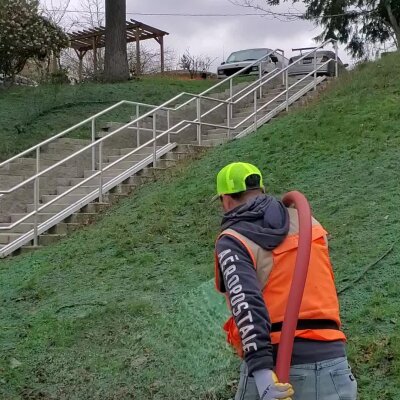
(265, 221)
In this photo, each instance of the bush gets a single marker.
(25, 34)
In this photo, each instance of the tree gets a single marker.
(25, 34)
(353, 22)
(116, 59)
(195, 63)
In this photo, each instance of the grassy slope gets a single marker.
(28, 115)
(146, 324)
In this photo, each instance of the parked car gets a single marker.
(240, 59)
(306, 65)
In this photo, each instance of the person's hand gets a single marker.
(278, 391)
(270, 388)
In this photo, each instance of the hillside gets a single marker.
(125, 308)
(29, 115)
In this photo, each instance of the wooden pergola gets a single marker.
(92, 39)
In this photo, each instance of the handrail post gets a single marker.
(315, 70)
(169, 125)
(101, 172)
(93, 148)
(228, 118)
(336, 59)
(198, 108)
(287, 89)
(284, 66)
(137, 126)
(36, 193)
(260, 78)
(255, 110)
(231, 93)
(154, 140)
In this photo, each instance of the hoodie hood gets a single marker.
(263, 219)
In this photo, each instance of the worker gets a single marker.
(254, 264)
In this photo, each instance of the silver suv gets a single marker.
(240, 59)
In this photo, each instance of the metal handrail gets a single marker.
(233, 99)
(122, 102)
(161, 107)
(97, 142)
(278, 96)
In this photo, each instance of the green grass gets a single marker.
(28, 115)
(146, 324)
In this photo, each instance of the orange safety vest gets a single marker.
(319, 312)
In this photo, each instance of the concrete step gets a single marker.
(40, 217)
(145, 150)
(81, 218)
(74, 141)
(176, 156)
(63, 228)
(123, 189)
(27, 171)
(190, 148)
(57, 145)
(215, 134)
(79, 190)
(151, 172)
(212, 142)
(93, 182)
(8, 237)
(110, 173)
(21, 228)
(94, 208)
(133, 157)
(51, 209)
(8, 181)
(67, 199)
(48, 239)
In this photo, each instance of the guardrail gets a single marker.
(254, 89)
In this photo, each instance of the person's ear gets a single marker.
(226, 202)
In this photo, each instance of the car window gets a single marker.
(247, 55)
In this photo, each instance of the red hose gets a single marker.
(298, 284)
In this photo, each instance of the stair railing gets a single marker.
(254, 88)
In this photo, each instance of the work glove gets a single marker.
(269, 388)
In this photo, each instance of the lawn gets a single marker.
(125, 308)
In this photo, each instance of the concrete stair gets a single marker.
(56, 182)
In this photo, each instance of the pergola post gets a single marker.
(95, 66)
(161, 41)
(80, 54)
(137, 39)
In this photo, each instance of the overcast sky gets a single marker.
(216, 37)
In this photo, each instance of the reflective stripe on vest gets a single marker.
(275, 270)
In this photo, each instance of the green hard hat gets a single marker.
(232, 178)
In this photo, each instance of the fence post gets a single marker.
(93, 147)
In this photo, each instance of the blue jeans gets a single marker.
(325, 380)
